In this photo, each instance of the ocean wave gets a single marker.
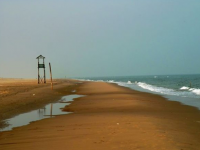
(85, 80)
(193, 90)
(156, 89)
(89, 80)
(185, 91)
(184, 88)
(196, 91)
(111, 81)
(129, 82)
(100, 81)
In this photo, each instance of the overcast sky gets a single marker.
(84, 38)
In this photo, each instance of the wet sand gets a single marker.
(21, 95)
(111, 117)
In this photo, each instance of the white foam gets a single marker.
(85, 80)
(89, 80)
(184, 88)
(99, 80)
(186, 93)
(196, 91)
(122, 84)
(129, 82)
(156, 89)
(191, 89)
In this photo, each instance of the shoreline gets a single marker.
(173, 87)
(112, 117)
(186, 101)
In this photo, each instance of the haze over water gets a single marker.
(99, 38)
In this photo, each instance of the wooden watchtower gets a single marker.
(41, 65)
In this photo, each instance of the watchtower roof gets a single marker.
(40, 57)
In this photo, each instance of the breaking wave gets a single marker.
(161, 90)
(184, 88)
(184, 91)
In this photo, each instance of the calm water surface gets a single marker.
(48, 111)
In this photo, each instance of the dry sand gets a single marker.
(111, 117)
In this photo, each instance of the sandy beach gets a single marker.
(107, 117)
(21, 95)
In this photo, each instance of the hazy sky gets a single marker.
(100, 37)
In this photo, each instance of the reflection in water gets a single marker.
(46, 112)
(51, 110)
(41, 112)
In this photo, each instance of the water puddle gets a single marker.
(48, 111)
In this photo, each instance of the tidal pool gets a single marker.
(48, 111)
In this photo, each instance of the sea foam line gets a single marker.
(193, 90)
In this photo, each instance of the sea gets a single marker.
(182, 88)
